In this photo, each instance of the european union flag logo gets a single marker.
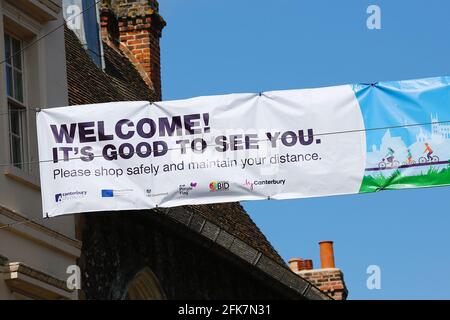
(107, 193)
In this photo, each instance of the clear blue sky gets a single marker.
(226, 46)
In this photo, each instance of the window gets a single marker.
(14, 64)
(86, 26)
(16, 134)
(16, 107)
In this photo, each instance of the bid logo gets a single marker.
(219, 186)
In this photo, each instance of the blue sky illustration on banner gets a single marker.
(403, 103)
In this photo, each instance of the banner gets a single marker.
(274, 145)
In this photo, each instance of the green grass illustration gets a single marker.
(396, 180)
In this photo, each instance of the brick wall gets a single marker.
(330, 281)
(141, 38)
(136, 27)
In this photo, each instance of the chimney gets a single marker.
(135, 26)
(328, 278)
(326, 254)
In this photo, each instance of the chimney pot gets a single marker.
(326, 254)
(294, 264)
(297, 264)
(308, 264)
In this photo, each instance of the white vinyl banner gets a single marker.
(140, 155)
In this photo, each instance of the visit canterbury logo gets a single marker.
(74, 195)
(219, 186)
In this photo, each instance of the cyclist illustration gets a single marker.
(430, 157)
(390, 155)
(409, 157)
(389, 159)
(429, 151)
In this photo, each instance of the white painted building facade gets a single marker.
(34, 253)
